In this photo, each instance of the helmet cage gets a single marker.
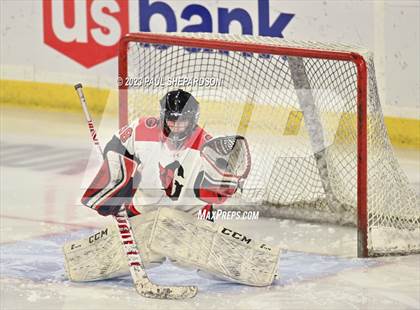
(178, 106)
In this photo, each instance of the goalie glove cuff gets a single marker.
(214, 191)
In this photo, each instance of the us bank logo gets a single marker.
(88, 31)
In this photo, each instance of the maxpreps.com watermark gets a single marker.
(182, 81)
(228, 215)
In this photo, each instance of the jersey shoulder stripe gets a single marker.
(198, 138)
(147, 129)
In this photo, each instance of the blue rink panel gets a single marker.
(41, 260)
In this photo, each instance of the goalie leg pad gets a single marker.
(215, 249)
(101, 255)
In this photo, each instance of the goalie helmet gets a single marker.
(179, 112)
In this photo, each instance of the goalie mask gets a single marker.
(179, 112)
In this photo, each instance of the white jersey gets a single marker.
(167, 177)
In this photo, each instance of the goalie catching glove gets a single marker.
(226, 162)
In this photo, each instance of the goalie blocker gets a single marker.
(179, 236)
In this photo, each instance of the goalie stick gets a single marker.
(142, 283)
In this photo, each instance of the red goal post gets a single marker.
(290, 50)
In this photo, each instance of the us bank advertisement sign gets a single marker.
(88, 31)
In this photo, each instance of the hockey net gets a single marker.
(312, 118)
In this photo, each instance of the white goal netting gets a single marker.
(299, 116)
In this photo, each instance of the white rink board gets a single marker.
(390, 29)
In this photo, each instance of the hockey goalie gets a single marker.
(165, 170)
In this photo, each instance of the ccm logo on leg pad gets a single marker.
(236, 235)
(98, 235)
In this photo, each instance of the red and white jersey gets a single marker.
(167, 176)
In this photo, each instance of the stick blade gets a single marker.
(151, 290)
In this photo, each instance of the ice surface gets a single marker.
(40, 211)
